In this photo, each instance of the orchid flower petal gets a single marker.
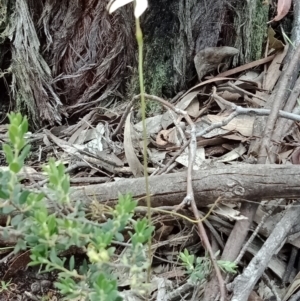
(114, 5)
(141, 6)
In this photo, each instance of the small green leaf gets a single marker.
(25, 151)
(15, 167)
(8, 153)
(119, 237)
(18, 118)
(16, 219)
(24, 126)
(54, 258)
(83, 269)
(23, 197)
(4, 195)
(51, 222)
(13, 133)
(8, 209)
(72, 263)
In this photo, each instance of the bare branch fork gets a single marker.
(189, 199)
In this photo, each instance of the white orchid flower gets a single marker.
(140, 6)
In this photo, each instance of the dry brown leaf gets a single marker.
(77, 133)
(232, 155)
(292, 288)
(274, 69)
(283, 7)
(132, 159)
(153, 125)
(254, 297)
(257, 101)
(174, 137)
(296, 156)
(209, 59)
(199, 159)
(193, 108)
(186, 100)
(202, 124)
(234, 137)
(249, 79)
(167, 120)
(168, 137)
(161, 138)
(242, 124)
(19, 262)
(226, 210)
(229, 96)
(244, 67)
(283, 156)
(274, 42)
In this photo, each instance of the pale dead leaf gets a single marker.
(209, 59)
(199, 159)
(283, 156)
(228, 212)
(274, 69)
(204, 123)
(283, 7)
(254, 297)
(132, 159)
(292, 287)
(77, 133)
(257, 101)
(153, 125)
(167, 118)
(234, 137)
(174, 137)
(186, 100)
(157, 155)
(296, 156)
(250, 76)
(232, 155)
(242, 124)
(229, 96)
(95, 138)
(193, 108)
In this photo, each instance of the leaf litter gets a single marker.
(90, 151)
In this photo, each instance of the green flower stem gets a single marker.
(139, 37)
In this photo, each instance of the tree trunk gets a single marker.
(176, 30)
(68, 56)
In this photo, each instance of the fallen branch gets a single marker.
(242, 182)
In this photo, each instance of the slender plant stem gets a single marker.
(139, 37)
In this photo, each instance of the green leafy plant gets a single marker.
(47, 234)
(199, 268)
(5, 286)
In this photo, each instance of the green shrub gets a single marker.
(199, 268)
(48, 233)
